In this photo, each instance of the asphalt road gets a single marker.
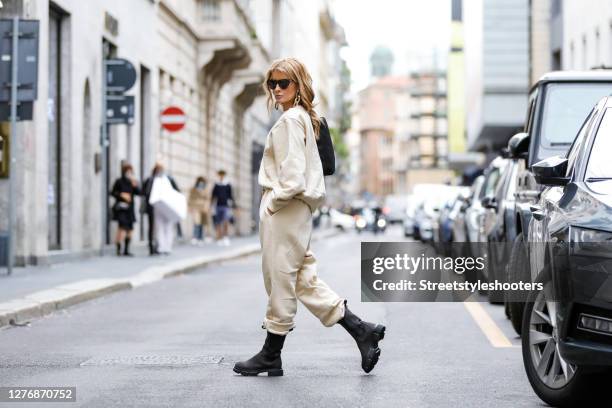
(174, 343)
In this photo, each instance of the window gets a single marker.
(599, 164)
(598, 59)
(491, 182)
(531, 111)
(565, 107)
(211, 10)
(556, 7)
(573, 152)
(556, 60)
(584, 52)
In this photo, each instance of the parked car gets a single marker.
(420, 192)
(557, 106)
(456, 216)
(498, 226)
(451, 227)
(409, 218)
(473, 214)
(493, 176)
(396, 207)
(567, 326)
(426, 215)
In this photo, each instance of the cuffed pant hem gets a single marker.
(277, 328)
(335, 315)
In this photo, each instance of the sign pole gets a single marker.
(13, 148)
(103, 144)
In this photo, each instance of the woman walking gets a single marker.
(291, 175)
(199, 205)
(165, 226)
(124, 190)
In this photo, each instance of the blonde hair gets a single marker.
(297, 72)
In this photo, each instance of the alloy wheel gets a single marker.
(550, 367)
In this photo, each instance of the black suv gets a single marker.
(558, 105)
(567, 324)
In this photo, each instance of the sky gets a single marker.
(412, 29)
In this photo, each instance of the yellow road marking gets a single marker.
(496, 337)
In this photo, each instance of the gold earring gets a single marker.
(297, 100)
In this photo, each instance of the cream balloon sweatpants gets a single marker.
(290, 268)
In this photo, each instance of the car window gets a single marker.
(491, 183)
(572, 154)
(530, 111)
(599, 164)
(566, 106)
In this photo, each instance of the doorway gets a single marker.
(54, 137)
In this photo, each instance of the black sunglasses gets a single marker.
(283, 83)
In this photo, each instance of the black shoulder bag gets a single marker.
(326, 149)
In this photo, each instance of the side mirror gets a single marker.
(518, 146)
(551, 171)
(489, 202)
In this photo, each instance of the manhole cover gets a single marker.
(154, 360)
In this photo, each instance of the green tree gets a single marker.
(339, 146)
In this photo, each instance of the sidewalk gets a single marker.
(35, 291)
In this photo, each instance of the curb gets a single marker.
(38, 304)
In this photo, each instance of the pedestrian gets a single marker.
(148, 208)
(291, 175)
(199, 206)
(124, 189)
(222, 197)
(164, 227)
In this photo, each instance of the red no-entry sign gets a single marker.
(173, 119)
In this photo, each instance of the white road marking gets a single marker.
(496, 337)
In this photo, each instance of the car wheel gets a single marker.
(518, 270)
(507, 310)
(556, 381)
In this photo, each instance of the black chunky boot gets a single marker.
(267, 360)
(367, 335)
(126, 251)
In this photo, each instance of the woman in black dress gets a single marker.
(124, 190)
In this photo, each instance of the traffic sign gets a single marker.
(120, 75)
(25, 111)
(173, 119)
(120, 109)
(27, 59)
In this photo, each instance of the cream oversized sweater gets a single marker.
(291, 166)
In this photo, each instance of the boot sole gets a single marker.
(276, 372)
(374, 353)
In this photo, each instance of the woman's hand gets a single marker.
(126, 197)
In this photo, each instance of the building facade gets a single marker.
(205, 56)
(587, 34)
(378, 105)
(429, 141)
(496, 47)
